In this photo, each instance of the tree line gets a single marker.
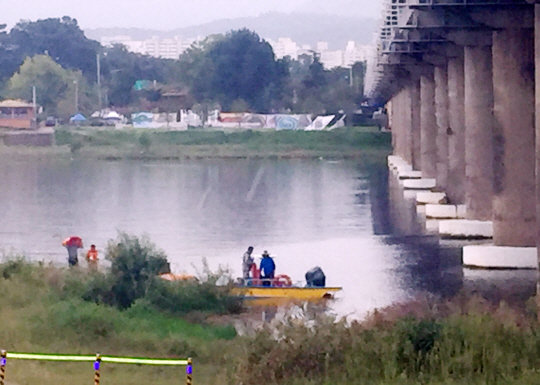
(236, 72)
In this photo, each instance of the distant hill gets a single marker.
(304, 28)
(347, 8)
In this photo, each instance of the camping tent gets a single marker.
(77, 118)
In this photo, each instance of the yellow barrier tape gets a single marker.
(50, 357)
(142, 361)
(74, 358)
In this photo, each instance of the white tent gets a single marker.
(320, 123)
(112, 115)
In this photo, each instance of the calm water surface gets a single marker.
(342, 216)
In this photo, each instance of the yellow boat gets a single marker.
(293, 293)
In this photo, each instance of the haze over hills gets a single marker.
(304, 28)
(346, 8)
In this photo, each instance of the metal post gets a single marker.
(3, 362)
(189, 372)
(99, 80)
(34, 101)
(97, 365)
(76, 96)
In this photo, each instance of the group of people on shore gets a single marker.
(73, 244)
(267, 267)
(266, 271)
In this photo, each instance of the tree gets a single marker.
(49, 78)
(62, 39)
(121, 69)
(86, 97)
(120, 76)
(237, 66)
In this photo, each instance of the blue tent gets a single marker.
(77, 118)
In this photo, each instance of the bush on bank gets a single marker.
(83, 306)
(425, 344)
(133, 277)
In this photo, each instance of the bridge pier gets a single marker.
(441, 116)
(478, 118)
(456, 131)
(479, 132)
(514, 219)
(428, 125)
(537, 109)
(414, 92)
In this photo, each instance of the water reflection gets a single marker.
(348, 217)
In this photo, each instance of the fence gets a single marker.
(97, 360)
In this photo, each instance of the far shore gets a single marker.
(160, 145)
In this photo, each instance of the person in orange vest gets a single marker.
(92, 258)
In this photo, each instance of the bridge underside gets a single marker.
(458, 77)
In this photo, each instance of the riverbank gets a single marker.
(43, 310)
(462, 341)
(138, 144)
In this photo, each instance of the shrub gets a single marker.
(134, 262)
(430, 345)
(182, 297)
(145, 141)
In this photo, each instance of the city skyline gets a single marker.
(170, 14)
(172, 48)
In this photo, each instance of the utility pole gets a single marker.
(99, 80)
(351, 82)
(76, 96)
(34, 100)
(34, 106)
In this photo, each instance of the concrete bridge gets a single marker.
(458, 78)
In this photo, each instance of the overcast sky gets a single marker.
(169, 14)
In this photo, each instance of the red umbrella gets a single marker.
(72, 241)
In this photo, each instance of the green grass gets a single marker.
(39, 313)
(158, 144)
(426, 343)
(457, 342)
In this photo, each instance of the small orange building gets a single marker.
(17, 114)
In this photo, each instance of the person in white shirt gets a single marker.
(247, 261)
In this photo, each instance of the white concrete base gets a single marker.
(419, 184)
(409, 194)
(445, 211)
(500, 257)
(461, 211)
(402, 168)
(428, 197)
(465, 229)
(412, 194)
(410, 174)
(441, 211)
(394, 160)
(432, 226)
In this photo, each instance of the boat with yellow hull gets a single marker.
(291, 293)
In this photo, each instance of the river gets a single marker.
(339, 215)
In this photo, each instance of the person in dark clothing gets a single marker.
(73, 244)
(268, 268)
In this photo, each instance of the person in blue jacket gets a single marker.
(268, 268)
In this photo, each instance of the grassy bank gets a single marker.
(464, 341)
(204, 143)
(128, 311)
(125, 310)
(41, 311)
